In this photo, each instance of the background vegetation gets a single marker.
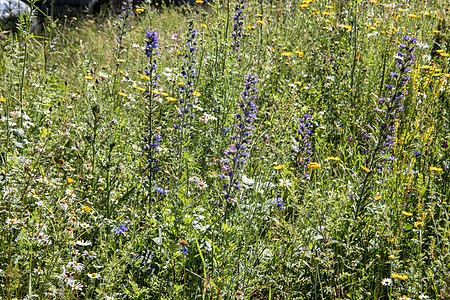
(249, 150)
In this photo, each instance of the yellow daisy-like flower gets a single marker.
(140, 10)
(408, 214)
(260, 22)
(435, 169)
(314, 165)
(196, 94)
(347, 27)
(199, 1)
(299, 53)
(164, 94)
(249, 27)
(69, 180)
(286, 54)
(413, 16)
(123, 94)
(139, 88)
(297, 83)
(443, 54)
(279, 167)
(144, 77)
(88, 77)
(391, 257)
(171, 99)
(417, 224)
(2, 99)
(334, 158)
(365, 169)
(87, 209)
(399, 276)
(376, 198)
(121, 60)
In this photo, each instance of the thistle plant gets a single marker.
(379, 155)
(238, 150)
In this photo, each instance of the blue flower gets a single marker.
(183, 250)
(279, 203)
(151, 42)
(121, 229)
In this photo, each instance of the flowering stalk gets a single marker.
(376, 157)
(153, 139)
(238, 150)
(304, 148)
(237, 27)
(186, 90)
(122, 26)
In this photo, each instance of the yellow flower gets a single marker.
(87, 209)
(249, 27)
(140, 10)
(365, 169)
(335, 158)
(155, 92)
(329, 6)
(297, 82)
(164, 94)
(171, 99)
(196, 94)
(121, 60)
(417, 224)
(199, 1)
(260, 22)
(303, 5)
(373, 1)
(391, 257)
(436, 169)
(413, 16)
(408, 214)
(204, 25)
(279, 167)
(376, 198)
(443, 54)
(286, 53)
(123, 94)
(144, 77)
(88, 77)
(69, 180)
(399, 276)
(314, 165)
(348, 27)
(299, 53)
(74, 18)
(2, 99)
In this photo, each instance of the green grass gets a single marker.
(340, 196)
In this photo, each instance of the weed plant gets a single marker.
(248, 150)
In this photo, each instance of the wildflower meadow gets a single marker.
(290, 149)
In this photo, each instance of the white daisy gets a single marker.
(386, 281)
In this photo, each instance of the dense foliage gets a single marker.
(248, 150)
